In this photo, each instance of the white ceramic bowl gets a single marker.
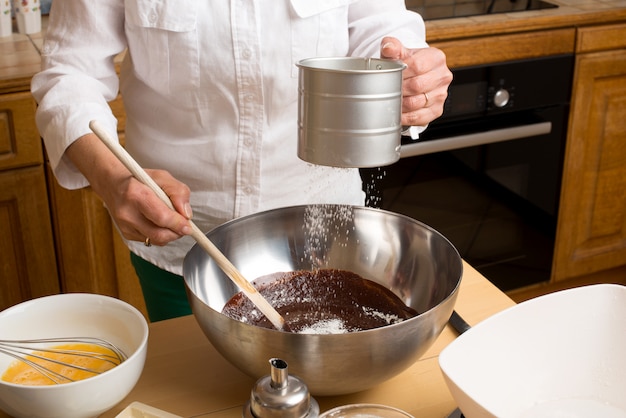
(69, 315)
(559, 355)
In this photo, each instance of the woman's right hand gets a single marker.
(137, 211)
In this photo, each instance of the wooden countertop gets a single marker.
(21, 53)
(19, 61)
(185, 375)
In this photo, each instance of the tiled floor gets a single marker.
(492, 234)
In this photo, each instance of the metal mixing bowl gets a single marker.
(413, 260)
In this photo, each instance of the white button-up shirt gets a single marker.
(210, 92)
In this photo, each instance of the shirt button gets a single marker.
(247, 53)
(152, 18)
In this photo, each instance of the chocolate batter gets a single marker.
(323, 301)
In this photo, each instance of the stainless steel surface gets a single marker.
(349, 111)
(470, 140)
(408, 257)
(280, 395)
(27, 351)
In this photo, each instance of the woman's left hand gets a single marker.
(425, 81)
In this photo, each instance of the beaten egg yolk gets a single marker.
(21, 373)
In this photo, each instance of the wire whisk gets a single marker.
(40, 355)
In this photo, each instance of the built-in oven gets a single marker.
(487, 174)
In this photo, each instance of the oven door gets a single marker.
(490, 185)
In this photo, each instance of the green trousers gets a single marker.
(163, 292)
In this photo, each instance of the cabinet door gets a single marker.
(591, 234)
(27, 261)
(92, 257)
(20, 144)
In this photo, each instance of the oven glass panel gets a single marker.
(497, 203)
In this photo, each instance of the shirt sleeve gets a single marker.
(371, 20)
(78, 77)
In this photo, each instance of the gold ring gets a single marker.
(426, 97)
(147, 242)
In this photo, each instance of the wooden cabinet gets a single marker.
(509, 47)
(92, 256)
(53, 240)
(591, 233)
(28, 265)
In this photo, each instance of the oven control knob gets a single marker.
(501, 98)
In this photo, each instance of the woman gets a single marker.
(210, 92)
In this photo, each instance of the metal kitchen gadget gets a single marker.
(280, 395)
(224, 263)
(413, 260)
(349, 111)
(27, 351)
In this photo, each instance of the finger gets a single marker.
(417, 101)
(392, 48)
(140, 228)
(143, 214)
(152, 219)
(157, 213)
(426, 69)
(177, 191)
(153, 235)
(421, 117)
(157, 236)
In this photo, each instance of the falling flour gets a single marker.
(372, 179)
(323, 223)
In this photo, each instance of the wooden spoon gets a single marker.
(224, 263)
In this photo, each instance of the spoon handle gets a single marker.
(224, 263)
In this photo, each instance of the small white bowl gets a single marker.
(72, 315)
(559, 355)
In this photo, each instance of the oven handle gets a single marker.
(481, 138)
